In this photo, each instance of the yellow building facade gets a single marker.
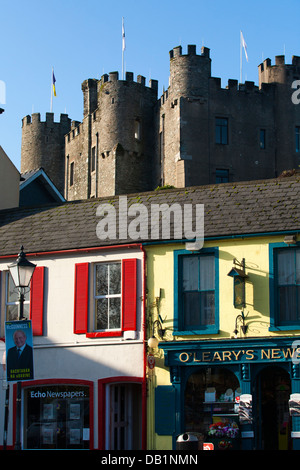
(225, 371)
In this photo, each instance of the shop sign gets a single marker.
(236, 355)
(151, 361)
(19, 350)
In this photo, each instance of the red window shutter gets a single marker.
(81, 297)
(129, 292)
(37, 300)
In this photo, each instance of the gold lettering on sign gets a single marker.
(265, 354)
(227, 355)
(276, 354)
(205, 356)
(250, 354)
(217, 356)
(184, 354)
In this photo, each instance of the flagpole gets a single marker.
(51, 102)
(241, 58)
(123, 47)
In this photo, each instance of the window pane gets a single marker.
(12, 312)
(286, 269)
(101, 314)
(101, 279)
(192, 310)
(115, 312)
(115, 278)
(288, 304)
(190, 273)
(207, 273)
(207, 308)
(298, 267)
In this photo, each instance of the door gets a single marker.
(124, 419)
(271, 413)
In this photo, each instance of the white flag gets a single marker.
(244, 45)
(123, 35)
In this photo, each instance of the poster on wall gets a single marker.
(19, 350)
(294, 404)
(245, 409)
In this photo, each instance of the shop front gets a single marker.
(237, 394)
(57, 414)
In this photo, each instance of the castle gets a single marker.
(196, 133)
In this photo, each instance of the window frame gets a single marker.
(179, 329)
(275, 325)
(222, 130)
(83, 298)
(108, 296)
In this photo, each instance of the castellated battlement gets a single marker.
(191, 51)
(129, 78)
(35, 118)
(280, 72)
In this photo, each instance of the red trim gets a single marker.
(129, 287)
(102, 405)
(77, 250)
(34, 383)
(144, 333)
(81, 297)
(37, 300)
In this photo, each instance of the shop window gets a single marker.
(287, 286)
(112, 309)
(196, 295)
(33, 304)
(221, 131)
(210, 398)
(57, 417)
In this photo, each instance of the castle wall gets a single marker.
(191, 106)
(43, 146)
(131, 141)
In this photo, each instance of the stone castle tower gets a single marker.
(196, 133)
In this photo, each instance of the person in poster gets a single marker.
(19, 358)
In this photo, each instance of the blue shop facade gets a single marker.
(254, 383)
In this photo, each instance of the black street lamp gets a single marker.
(21, 272)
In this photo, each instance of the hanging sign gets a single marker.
(151, 361)
(19, 350)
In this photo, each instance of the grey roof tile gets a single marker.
(229, 209)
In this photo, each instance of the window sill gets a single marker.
(104, 334)
(203, 331)
(285, 327)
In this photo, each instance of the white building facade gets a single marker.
(86, 306)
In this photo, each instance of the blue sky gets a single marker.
(84, 40)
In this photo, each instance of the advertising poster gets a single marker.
(19, 350)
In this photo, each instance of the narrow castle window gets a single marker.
(93, 159)
(137, 130)
(72, 174)
(297, 139)
(262, 138)
(221, 131)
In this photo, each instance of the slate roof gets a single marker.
(230, 209)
